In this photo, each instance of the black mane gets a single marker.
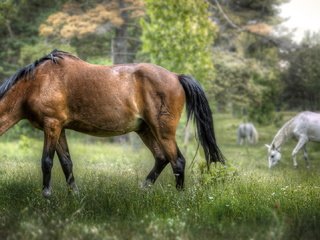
(54, 56)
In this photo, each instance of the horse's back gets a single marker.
(106, 100)
(307, 124)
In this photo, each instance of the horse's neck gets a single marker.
(10, 109)
(283, 134)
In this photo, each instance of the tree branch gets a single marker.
(242, 29)
(225, 16)
(11, 34)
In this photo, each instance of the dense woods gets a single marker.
(247, 64)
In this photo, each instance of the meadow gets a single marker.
(244, 200)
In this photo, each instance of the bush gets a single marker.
(217, 173)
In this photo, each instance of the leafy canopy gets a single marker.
(76, 21)
(301, 81)
(178, 35)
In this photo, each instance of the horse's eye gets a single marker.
(272, 155)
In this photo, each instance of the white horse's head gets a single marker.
(274, 155)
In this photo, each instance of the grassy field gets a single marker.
(245, 200)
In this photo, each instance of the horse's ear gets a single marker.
(267, 146)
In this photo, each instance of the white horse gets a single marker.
(247, 133)
(303, 127)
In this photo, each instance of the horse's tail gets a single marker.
(198, 108)
(255, 135)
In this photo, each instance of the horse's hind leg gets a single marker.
(178, 169)
(167, 142)
(305, 156)
(65, 161)
(160, 159)
(52, 130)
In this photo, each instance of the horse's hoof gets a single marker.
(180, 188)
(46, 192)
(74, 189)
(146, 185)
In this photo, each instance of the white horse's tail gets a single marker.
(255, 135)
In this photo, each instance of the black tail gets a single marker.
(198, 108)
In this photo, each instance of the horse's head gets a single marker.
(274, 155)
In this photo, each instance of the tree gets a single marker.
(248, 57)
(80, 19)
(301, 81)
(19, 22)
(7, 12)
(178, 35)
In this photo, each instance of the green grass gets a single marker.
(246, 200)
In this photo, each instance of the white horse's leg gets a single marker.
(302, 141)
(251, 139)
(305, 155)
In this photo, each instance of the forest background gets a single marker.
(238, 50)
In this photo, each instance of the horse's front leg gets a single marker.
(52, 131)
(65, 161)
(302, 141)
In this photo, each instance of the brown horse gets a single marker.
(60, 91)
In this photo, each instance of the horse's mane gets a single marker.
(283, 133)
(54, 57)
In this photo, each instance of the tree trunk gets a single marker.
(8, 25)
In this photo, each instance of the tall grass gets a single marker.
(244, 200)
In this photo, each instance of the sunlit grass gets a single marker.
(245, 200)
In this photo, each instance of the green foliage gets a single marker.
(217, 173)
(99, 60)
(21, 130)
(262, 110)
(246, 86)
(178, 35)
(29, 53)
(301, 83)
(234, 83)
(258, 9)
(19, 22)
(247, 72)
(7, 11)
(93, 46)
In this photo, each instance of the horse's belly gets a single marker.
(313, 131)
(314, 136)
(108, 129)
